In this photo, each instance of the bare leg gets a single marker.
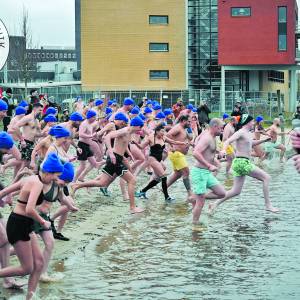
(218, 192)
(261, 175)
(38, 263)
(234, 191)
(80, 169)
(199, 203)
(129, 178)
(228, 163)
(282, 149)
(48, 239)
(175, 176)
(123, 189)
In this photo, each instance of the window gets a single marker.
(56, 55)
(159, 47)
(159, 74)
(276, 76)
(159, 20)
(70, 55)
(65, 55)
(240, 11)
(282, 28)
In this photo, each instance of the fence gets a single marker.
(255, 103)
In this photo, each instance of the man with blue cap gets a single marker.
(86, 136)
(50, 121)
(30, 128)
(242, 165)
(116, 165)
(128, 104)
(258, 131)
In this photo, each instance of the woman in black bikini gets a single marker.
(156, 141)
(19, 225)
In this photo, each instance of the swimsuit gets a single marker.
(242, 166)
(86, 151)
(202, 179)
(178, 160)
(118, 168)
(27, 150)
(156, 151)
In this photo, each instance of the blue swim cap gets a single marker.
(98, 102)
(76, 116)
(168, 111)
(148, 102)
(91, 114)
(50, 110)
(68, 172)
(50, 118)
(128, 101)
(190, 106)
(108, 110)
(20, 110)
(78, 97)
(6, 141)
(147, 110)
(60, 131)
(225, 116)
(52, 164)
(135, 110)
(157, 107)
(3, 105)
(154, 102)
(137, 122)
(194, 109)
(23, 103)
(142, 117)
(121, 117)
(160, 116)
(259, 119)
(111, 102)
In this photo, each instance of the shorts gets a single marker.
(86, 151)
(229, 150)
(66, 191)
(242, 166)
(270, 146)
(178, 160)
(202, 179)
(18, 228)
(37, 227)
(119, 168)
(27, 150)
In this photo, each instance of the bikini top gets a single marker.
(48, 196)
(157, 150)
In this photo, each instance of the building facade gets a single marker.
(137, 44)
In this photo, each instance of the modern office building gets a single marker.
(133, 44)
(181, 44)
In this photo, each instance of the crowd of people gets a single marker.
(124, 140)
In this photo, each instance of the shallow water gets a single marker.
(242, 252)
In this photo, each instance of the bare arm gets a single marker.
(199, 149)
(10, 189)
(232, 139)
(83, 134)
(258, 142)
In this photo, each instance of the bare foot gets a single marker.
(136, 210)
(272, 209)
(211, 208)
(12, 284)
(46, 278)
(73, 189)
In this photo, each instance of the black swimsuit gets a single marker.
(156, 151)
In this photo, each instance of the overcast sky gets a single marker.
(51, 21)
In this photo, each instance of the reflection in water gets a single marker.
(242, 252)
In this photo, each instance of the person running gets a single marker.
(206, 164)
(229, 130)
(295, 138)
(156, 141)
(19, 225)
(115, 162)
(273, 132)
(242, 166)
(258, 131)
(181, 133)
(85, 138)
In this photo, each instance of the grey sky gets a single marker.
(51, 21)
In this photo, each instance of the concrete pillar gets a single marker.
(293, 91)
(222, 91)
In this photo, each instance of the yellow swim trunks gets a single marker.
(229, 149)
(178, 160)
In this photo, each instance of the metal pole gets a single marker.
(222, 94)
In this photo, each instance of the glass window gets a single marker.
(282, 43)
(70, 55)
(65, 55)
(282, 14)
(56, 55)
(159, 47)
(61, 55)
(240, 11)
(159, 20)
(159, 74)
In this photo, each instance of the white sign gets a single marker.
(4, 44)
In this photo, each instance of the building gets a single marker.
(14, 71)
(137, 44)
(260, 38)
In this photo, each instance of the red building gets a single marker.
(257, 32)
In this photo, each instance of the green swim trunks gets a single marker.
(37, 227)
(202, 179)
(242, 166)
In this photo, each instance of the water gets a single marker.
(242, 252)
